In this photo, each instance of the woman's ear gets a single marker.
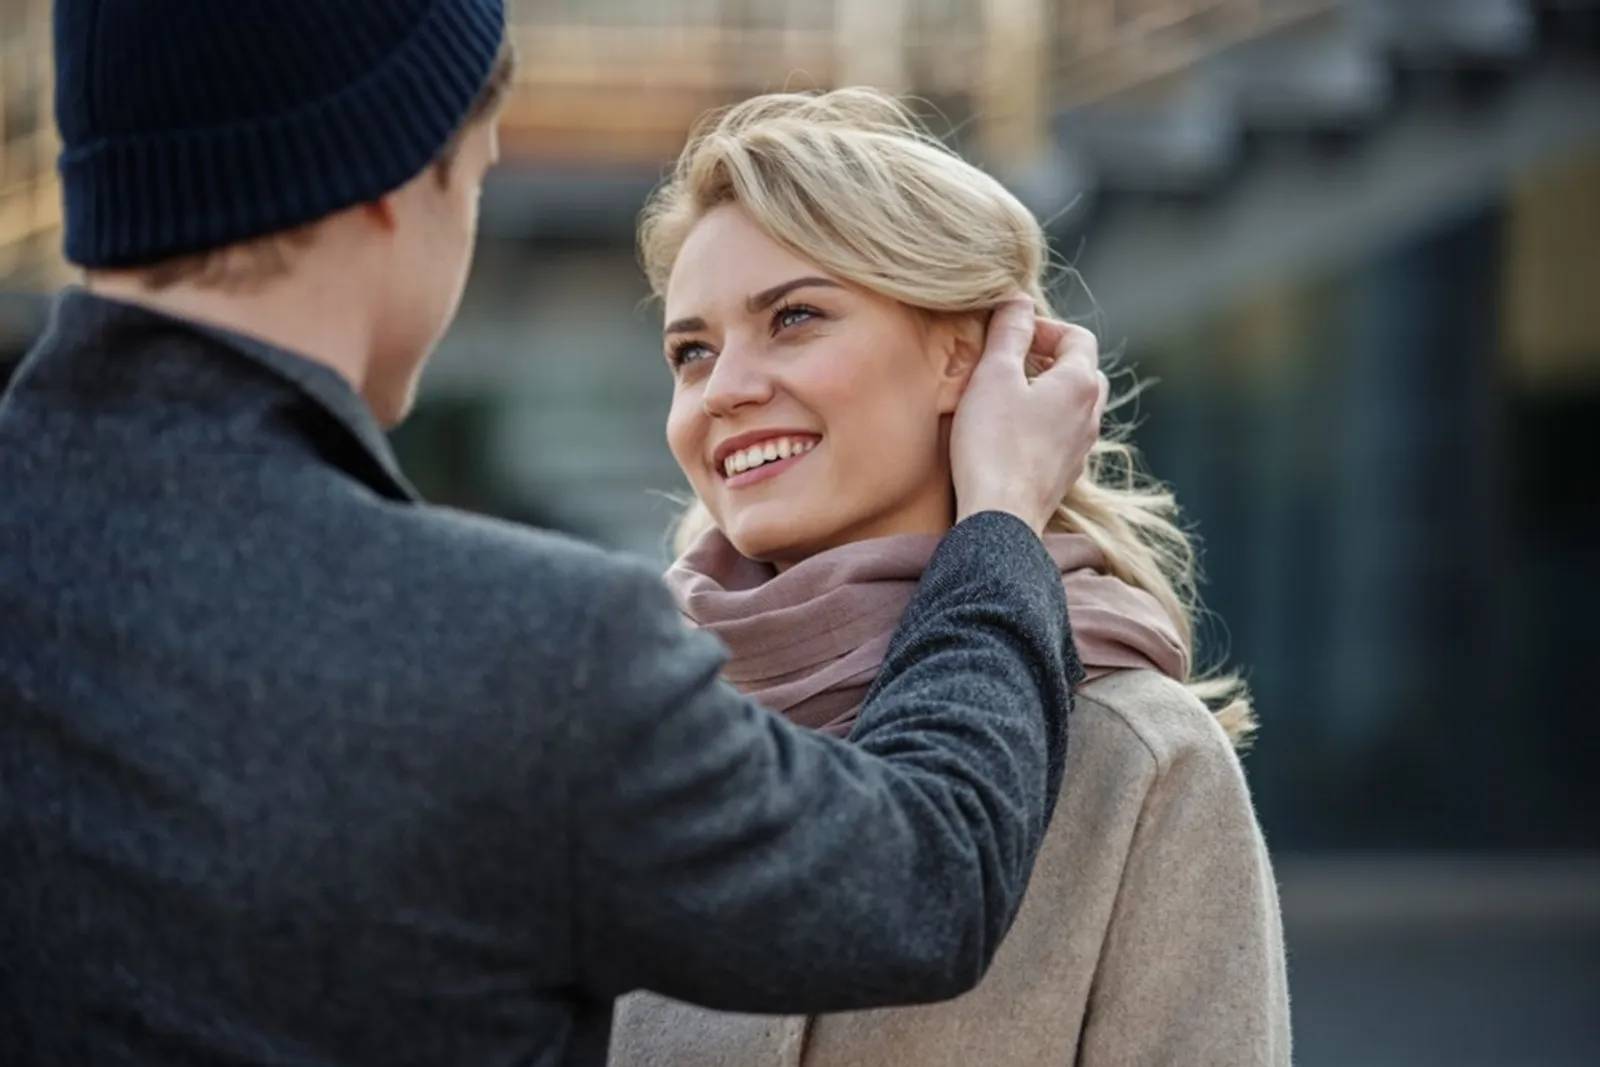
(957, 345)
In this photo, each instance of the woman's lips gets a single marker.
(749, 453)
(769, 468)
(763, 473)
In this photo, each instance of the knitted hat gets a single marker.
(192, 124)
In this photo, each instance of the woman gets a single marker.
(827, 270)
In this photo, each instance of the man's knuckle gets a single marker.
(1076, 337)
(1083, 384)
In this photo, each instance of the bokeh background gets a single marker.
(1357, 242)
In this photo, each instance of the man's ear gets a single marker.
(956, 346)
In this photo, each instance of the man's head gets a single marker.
(262, 161)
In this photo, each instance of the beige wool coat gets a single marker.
(1149, 937)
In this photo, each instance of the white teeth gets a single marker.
(766, 452)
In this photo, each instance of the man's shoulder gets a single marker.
(502, 558)
(530, 584)
(519, 616)
(596, 625)
(493, 542)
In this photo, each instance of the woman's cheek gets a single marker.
(681, 435)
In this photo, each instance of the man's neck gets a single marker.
(290, 314)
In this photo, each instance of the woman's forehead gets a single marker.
(727, 257)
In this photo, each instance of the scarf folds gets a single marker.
(809, 641)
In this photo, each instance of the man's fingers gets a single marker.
(1047, 337)
(1077, 347)
(1075, 364)
(1059, 351)
(1010, 334)
(1054, 341)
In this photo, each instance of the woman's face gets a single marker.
(807, 413)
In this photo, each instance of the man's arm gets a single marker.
(727, 858)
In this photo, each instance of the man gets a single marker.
(297, 770)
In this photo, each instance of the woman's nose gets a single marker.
(737, 380)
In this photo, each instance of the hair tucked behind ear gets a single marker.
(853, 182)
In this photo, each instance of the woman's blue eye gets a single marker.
(688, 352)
(792, 315)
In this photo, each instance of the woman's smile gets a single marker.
(764, 459)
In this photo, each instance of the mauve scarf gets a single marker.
(808, 642)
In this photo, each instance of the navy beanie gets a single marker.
(187, 125)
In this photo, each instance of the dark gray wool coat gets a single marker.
(297, 770)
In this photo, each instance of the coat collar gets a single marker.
(93, 340)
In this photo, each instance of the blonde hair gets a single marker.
(853, 181)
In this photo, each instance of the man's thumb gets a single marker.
(1010, 334)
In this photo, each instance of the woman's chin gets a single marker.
(781, 552)
(770, 539)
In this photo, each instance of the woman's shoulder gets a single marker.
(1149, 713)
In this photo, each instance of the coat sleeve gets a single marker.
(1193, 969)
(727, 858)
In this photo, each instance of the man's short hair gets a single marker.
(488, 104)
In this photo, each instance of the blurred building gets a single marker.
(1357, 242)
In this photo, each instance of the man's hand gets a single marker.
(1017, 445)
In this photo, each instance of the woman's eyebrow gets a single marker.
(693, 324)
(756, 302)
(767, 297)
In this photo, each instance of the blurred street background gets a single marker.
(1357, 242)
